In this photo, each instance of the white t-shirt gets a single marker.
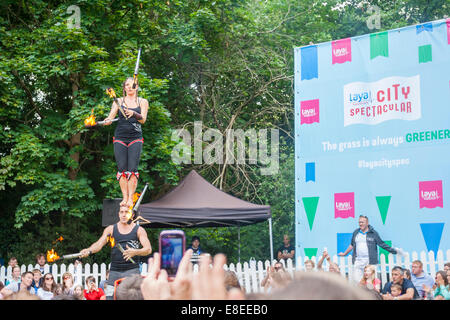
(362, 250)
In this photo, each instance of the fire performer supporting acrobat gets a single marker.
(130, 237)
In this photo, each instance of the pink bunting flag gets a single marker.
(309, 111)
(341, 50)
(430, 194)
(448, 31)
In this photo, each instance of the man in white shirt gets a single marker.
(364, 245)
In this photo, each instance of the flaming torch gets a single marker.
(112, 242)
(90, 121)
(130, 209)
(52, 256)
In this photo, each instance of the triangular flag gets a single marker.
(310, 204)
(432, 233)
(310, 252)
(379, 45)
(385, 252)
(383, 206)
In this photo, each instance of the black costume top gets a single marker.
(128, 129)
(118, 263)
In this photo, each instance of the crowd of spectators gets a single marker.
(311, 283)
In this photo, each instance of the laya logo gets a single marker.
(430, 194)
(387, 99)
(341, 50)
(344, 205)
(309, 111)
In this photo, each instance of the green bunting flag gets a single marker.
(310, 252)
(379, 45)
(310, 204)
(425, 54)
(383, 206)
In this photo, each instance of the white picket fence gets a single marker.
(250, 274)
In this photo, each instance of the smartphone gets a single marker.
(172, 245)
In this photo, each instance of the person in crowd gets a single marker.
(41, 261)
(37, 280)
(24, 285)
(419, 278)
(409, 292)
(407, 274)
(78, 292)
(447, 269)
(231, 280)
(369, 279)
(441, 289)
(320, 286)
(207, 284)
(92, 292)
(59, 290)
(48, 287)
(22, 295)
(12, 262)
(286, 251)
(333, 267)
(396, 290)
(104, 283)
(67, 283)
(364, 243)
(1, 287)
(278, 266)
(195, 247)
(15, 276)
(309, 265)
(130, 288)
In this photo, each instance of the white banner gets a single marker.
(387, 99)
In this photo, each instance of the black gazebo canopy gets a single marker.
(197, 203)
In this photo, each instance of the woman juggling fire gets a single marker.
(128, 139)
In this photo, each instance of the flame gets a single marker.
(90, 121)
(60, 239)
(111, 241)
(130, 209)
(52, 255)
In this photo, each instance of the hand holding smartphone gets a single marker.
(172, 245)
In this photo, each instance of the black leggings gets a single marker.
(127, 153)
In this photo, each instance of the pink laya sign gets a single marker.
(309, 111)
(341, 51)
(344, 205)
(448, 31)
(430, 194)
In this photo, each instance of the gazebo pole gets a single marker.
(239, 244)
(271, 240)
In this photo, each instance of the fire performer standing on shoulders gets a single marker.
(127, 237)
(128, 139)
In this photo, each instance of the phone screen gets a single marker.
(171, 253)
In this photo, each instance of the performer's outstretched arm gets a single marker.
(97, 246)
